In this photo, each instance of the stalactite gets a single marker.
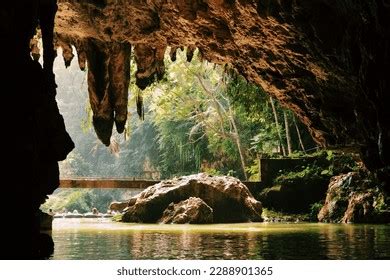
(98, 84)
(108, 66)
(67, 53)
(172, 53)
(190, 52)
(119, 79)
(108, 81)
(140, 105)
(150, 64)
(81, 54)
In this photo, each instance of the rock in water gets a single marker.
(355, 198)
(230, 200)
(118, 206)
(190, 211)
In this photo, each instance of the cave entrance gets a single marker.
(199, 117)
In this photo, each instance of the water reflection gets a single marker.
(244, 241)
(364, 242)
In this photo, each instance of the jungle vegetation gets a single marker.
(201, 117)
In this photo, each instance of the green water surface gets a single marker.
(104, 239)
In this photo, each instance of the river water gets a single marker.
(103, 239)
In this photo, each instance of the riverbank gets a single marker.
(270, 216)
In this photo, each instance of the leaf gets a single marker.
(325, 172)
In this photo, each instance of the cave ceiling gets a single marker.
(320, 58)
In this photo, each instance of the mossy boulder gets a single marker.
(355, 197)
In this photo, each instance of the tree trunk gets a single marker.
(288, 135)
(259, 159)
(229, 114)
(239, 147)
(299, 135)
(277, 126)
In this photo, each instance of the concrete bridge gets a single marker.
(104, 183)
(268, 170)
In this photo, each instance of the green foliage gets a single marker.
(199, 106)
(117, 218)
(198, 118)
(310, 172)
(381, 203)
(326, 164)
(211, 171)
(270, 215)
(314, 210)
(266, 141)
(297, 189)
(253, 171)
(83, 200)
(69, 200)
(178, 155)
